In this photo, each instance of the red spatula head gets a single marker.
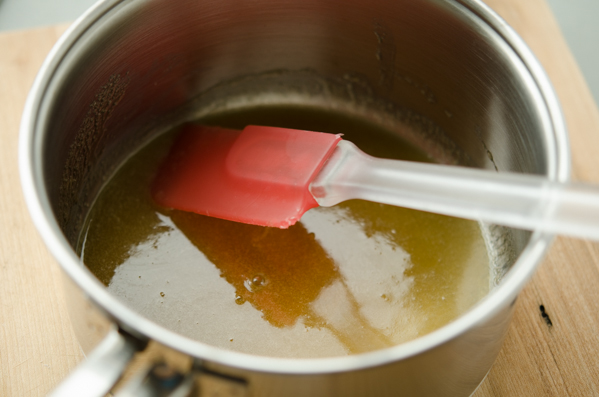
(259, 176)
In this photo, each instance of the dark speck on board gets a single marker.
(545, 316)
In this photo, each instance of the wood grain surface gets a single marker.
(37, 344)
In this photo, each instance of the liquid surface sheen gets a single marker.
(356, 277)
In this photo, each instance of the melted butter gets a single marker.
(356, 277)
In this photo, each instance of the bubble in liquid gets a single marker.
(239, 300)
(255, 283)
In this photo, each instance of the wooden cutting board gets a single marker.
(38, 347)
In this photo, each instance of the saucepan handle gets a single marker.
(102, 369)
(105, 365)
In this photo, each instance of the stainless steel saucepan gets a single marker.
(449, 75)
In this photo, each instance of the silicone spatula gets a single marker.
(270, 176)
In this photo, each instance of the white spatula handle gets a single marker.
(517, 200)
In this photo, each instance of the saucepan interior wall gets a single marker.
(145, 66)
